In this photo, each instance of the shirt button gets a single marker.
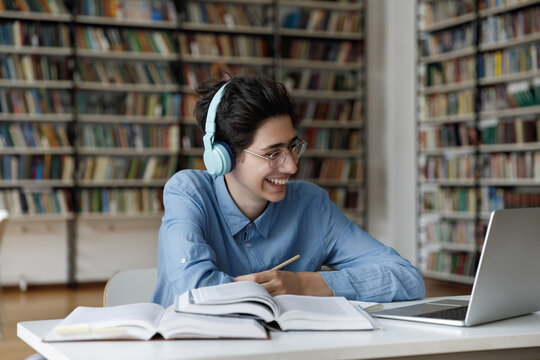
(183, 260)
(248, 245)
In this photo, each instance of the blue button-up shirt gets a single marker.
(206, 240)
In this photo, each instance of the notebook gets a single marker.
(506, 283)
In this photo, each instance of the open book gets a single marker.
(142, 321)
(290, 312)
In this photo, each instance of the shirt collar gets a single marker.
(235, 219)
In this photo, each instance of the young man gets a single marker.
(248, 217)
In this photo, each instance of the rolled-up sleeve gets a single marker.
(364, 268)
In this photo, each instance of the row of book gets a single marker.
(33, 67)
(449, 200)
(34, 101)
(120, 201)
(349, 199)
(21, 33)
(323, 20)
(453, 39)
(516, 131)
(450, 231)
(130, 104)
(453, 263)
(49, 6)
(140, 10)
(125, 136)
(34, 135)
(512, 95)
(447, 135)
(522, 165)
(308, 110)
(508, 26)
(331, 169)
(346, 198)
(194, 74)
(494, 198)
(441, 10)
(321, 80)
(36, 202)
(450, 71)
(207, 44)
(331, 139)
(114, 39)
(321, 50)
(187, 104)
(101, 168)
(447, 104)
(493, 4)
(125, 72)
(337, 110)
(509, 61)
(230, 15)
(447, 168)
(192, 137)
(316, 138)
(193, 162)
(37, 167)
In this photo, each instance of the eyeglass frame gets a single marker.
(284, 154)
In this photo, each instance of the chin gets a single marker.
(276, 196)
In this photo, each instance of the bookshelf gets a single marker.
(216, 38)
(320, 58)
(96, 104)
(299, 43)
(477, 125)
(36, 150)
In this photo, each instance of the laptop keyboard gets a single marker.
(457, 313)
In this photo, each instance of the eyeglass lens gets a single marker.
(278, 158)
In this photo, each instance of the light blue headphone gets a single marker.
(218, 157)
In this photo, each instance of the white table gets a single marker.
(517, 338)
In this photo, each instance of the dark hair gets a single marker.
(245, 104)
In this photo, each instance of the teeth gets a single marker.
(278, 181)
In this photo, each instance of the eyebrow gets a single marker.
(280, 145)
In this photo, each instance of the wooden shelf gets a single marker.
(449, 277)
(155, 88)
(460, 20)
(510, 42)
(127, 151)
(36, 151)
(100, 20)
(507, 8)
(468, 51)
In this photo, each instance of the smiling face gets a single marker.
(252, 183)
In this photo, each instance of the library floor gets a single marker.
(53, 302)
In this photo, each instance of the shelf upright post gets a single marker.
(72, 222)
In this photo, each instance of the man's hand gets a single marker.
(278, 282)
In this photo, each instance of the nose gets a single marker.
(289, 166)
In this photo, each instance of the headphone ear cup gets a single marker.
(220, 159)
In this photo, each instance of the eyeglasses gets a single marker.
(277, 159)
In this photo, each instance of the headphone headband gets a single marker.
(218, 157)
(212, 109)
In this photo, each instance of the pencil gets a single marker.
(285, 263)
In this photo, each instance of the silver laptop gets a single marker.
(507, 281)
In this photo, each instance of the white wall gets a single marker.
(391, 58)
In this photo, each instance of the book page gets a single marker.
(320, 313)
(258, 309)
(119, 322)
(176, 325)
(230, 292)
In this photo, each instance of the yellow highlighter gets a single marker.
(85, 328)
